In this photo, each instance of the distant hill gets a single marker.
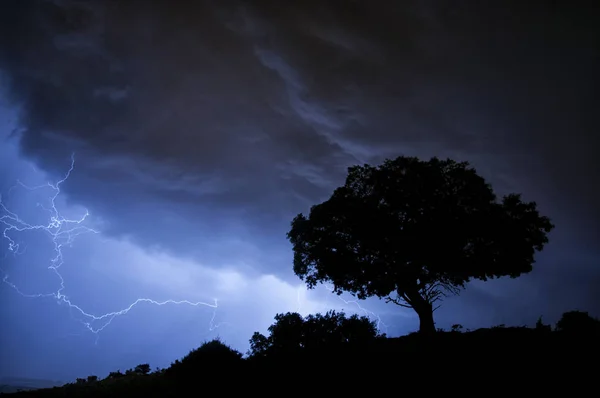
(14, 384)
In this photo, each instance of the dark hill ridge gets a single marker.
(530, 359)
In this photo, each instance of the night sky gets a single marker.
(199, 130)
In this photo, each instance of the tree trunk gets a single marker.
(425, 312)
(423, 308)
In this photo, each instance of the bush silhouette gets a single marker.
(413, 231)
(291, 333)
(541, 326)
(212, 356)
(92, 379)
(115, 375)
(142, 369)
(578, 322)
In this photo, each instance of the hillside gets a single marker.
(533, 359)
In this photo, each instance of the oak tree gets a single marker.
(412, 231)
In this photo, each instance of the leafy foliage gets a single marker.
(412, 231)
(578, 322)
(292, 332)
(115, 375)
(211, 356)
(143, 369)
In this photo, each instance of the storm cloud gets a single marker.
(203, 127)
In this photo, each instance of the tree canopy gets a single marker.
(579, 322)
(211, 356)
(412, 231)
(292, 332)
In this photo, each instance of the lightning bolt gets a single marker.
(62, 232)
(381, 326)
(357, 308)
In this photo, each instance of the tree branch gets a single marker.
(436, 291)
(398, 301)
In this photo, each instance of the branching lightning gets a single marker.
(62, 232)
(368, 313)
(357, 308)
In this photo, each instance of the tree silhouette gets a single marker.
(291, 333)
(212, 356)
(541, 326)
(412, 231)
(143, 369)
(92, 379)
(578, 322)
(115, 375)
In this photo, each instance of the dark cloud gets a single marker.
(210, 119)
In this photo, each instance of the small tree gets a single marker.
(541, 326)
(291, 332)
(578, 322)
(115, 375)
(412, 231)
(143, 369)
(211, 356)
